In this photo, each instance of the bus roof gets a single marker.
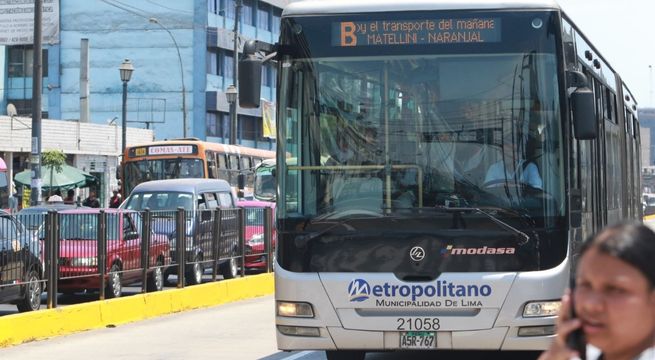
(322, 7)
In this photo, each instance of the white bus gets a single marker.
(471, 147)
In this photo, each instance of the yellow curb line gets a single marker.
(42, 324)
(649, 217)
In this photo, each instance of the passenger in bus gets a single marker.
(613, 302)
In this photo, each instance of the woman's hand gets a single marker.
(565, 325)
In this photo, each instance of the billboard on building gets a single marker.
(268, 117)
(17, 22)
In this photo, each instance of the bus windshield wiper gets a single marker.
(503, 224)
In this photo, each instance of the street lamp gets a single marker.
(126, 73)
(179, 58)
(231, 96)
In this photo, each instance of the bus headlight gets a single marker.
(541, 308)
(294, 309)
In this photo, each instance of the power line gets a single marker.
(170, 8)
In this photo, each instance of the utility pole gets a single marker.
(235, 72)
(650, 70)
(37, 71)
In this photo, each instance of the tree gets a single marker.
(54, 159)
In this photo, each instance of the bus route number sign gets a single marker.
(416, 32)
(140, 152)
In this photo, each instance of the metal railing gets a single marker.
(106, 250)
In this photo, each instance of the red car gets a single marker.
(254, 233)
(78, 252)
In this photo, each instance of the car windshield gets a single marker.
(160, 200)
(85, 226)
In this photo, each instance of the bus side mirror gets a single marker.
(584, 114)
(250, 82)
(119, 172)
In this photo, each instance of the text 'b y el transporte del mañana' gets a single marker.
(417, 32)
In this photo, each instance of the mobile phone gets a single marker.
(576, 339)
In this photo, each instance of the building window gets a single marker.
(249, 127)
(21, 61)
(228, 64)
(247, 13)
(224, 128)
(265, 75)
(263, 20)
(275, 24)
(211, 7)
(212, 61)
(218, 124)
(24, 107)
(211, 120)
(228, 7)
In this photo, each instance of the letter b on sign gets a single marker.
(348, 37)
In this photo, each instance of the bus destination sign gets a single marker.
(416, 32)
(163, 150)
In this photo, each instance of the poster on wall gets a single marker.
(268, 117)
(17, 22)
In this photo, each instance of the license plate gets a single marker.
(418, 340)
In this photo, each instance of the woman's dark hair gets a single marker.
(633, 243)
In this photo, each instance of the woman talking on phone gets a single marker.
(610, 314)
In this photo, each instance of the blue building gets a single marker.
(150, 34)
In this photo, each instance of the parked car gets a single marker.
(21, 268)
(254, 233)
(198, 197)
(78, 252)
(33, 218)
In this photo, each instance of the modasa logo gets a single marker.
(359, 290)
(484, 250)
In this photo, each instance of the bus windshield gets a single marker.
(409, 128)
(265, 182)
(139, 171)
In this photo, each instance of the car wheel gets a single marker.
(345, 355)
(114, 285)
(156, 278)
(194, 275)
(33, 290)
(230, 269)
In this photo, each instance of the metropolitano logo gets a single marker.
(359, 290)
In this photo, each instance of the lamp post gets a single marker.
(179, 58)
(231, 92)
(231, 96)
(125, 70)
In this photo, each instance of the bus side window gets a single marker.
(234, 169)
(223, 172)
(247, 169)
(212, 169)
